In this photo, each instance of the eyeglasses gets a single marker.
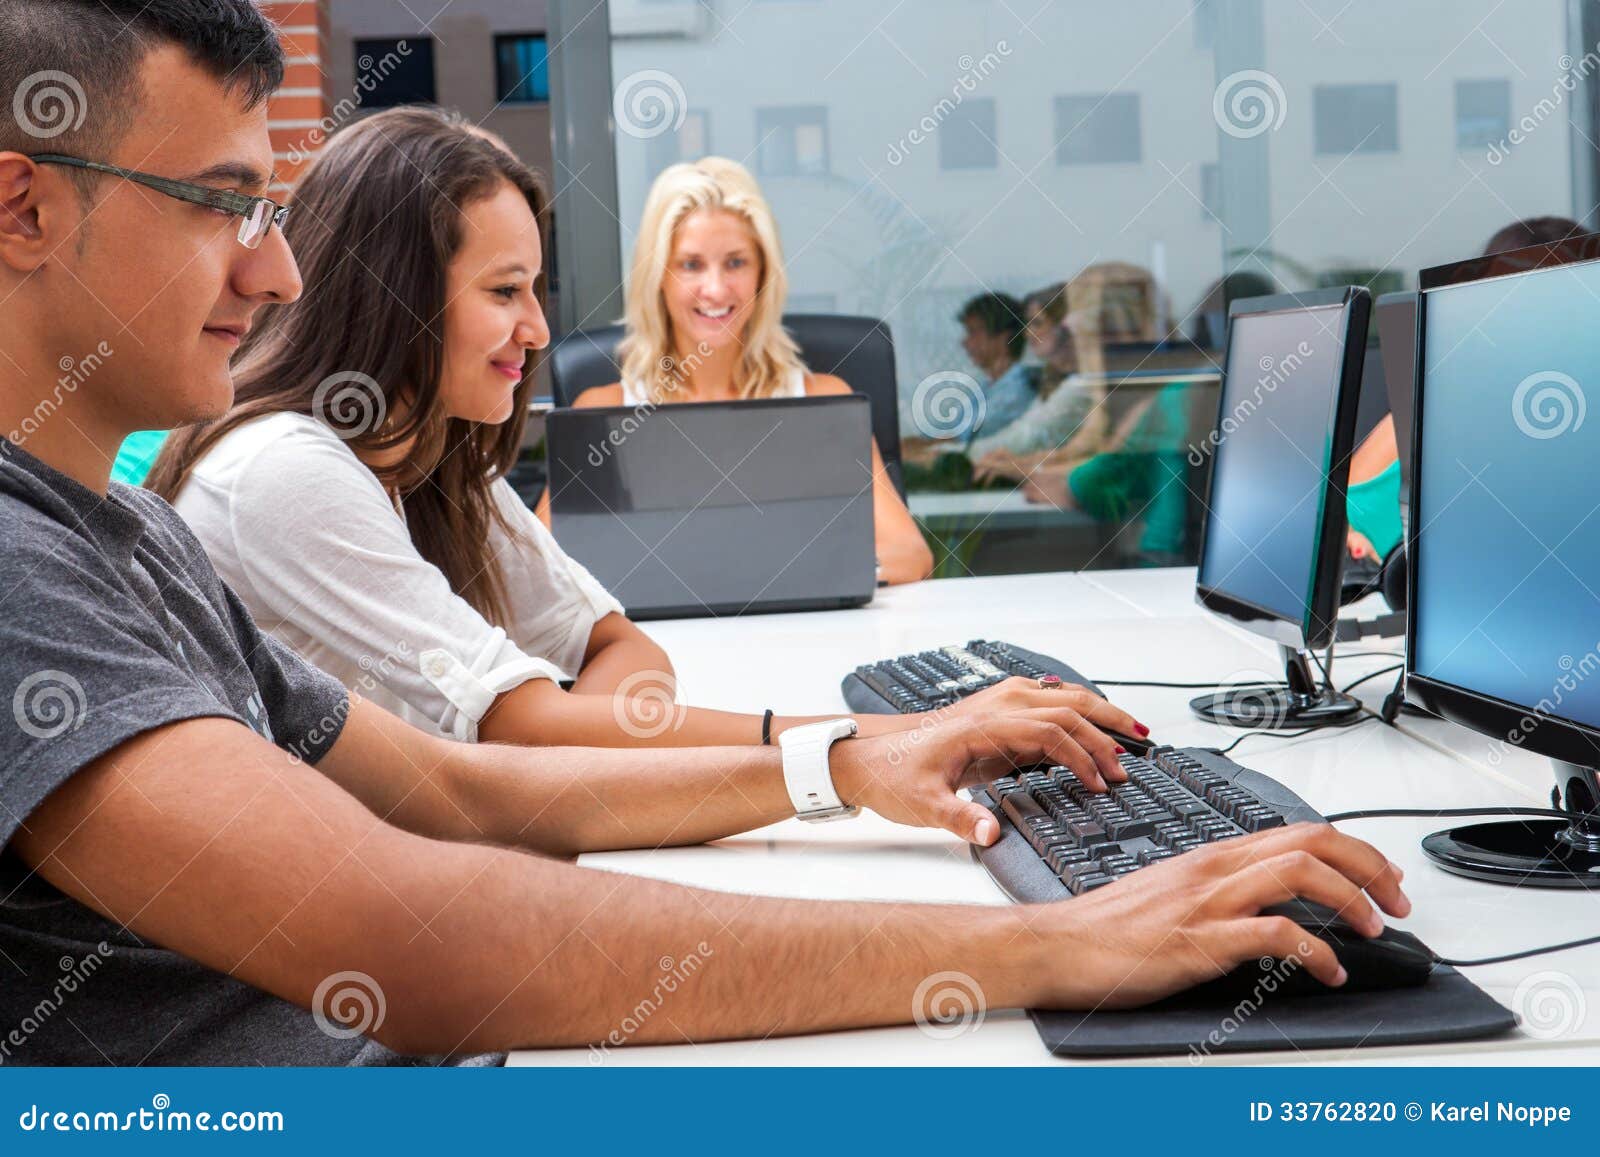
(259, 213)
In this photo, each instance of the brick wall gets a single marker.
(305, 97)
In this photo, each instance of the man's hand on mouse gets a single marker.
(1177, 923)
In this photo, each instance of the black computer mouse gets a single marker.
(1392, 959)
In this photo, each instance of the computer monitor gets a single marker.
(1273, 541)
(1396, 317)
(1503, 630)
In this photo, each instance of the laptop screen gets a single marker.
(718, 508)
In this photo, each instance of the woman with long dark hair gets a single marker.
(355, 496)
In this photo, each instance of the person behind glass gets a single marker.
(1049, 343)
(1107, 304)
(704, 319)
(1374, 487)
(355, 494)
(995, 339)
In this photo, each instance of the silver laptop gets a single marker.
(718, 508)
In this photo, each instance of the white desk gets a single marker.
(1115, 624)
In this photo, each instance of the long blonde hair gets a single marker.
(648, 352)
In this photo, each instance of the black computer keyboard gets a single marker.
(1057, 837)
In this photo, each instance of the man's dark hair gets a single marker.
(999, 313)
(1533, 231)
(69, 69)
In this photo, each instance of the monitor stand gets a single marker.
(1542, 853)
(1301, 702)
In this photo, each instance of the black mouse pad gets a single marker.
(1449, 1007)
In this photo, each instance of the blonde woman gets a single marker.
(704, 308)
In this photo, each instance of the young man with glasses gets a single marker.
(232, 895)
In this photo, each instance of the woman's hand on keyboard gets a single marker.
(1175, 924)
(912, 776)
(1022, 694)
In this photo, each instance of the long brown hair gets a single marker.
(376, 221)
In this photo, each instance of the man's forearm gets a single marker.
(565, 956)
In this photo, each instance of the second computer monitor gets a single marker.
(1504, 635)
(1272, 549)
(1275, 519)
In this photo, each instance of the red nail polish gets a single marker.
(1143, 730)
(1121, 750)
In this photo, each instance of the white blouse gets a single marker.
(307, 536)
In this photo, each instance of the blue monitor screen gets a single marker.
(1269, 477)
(1508, 476)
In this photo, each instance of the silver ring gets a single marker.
(1050, 683)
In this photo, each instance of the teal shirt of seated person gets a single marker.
(137, 456)
(1144, 478)
(1374, 509)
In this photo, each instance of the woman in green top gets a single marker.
(1373, 498)
(137, 455)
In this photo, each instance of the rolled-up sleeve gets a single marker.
(555, 601)
(324, 551)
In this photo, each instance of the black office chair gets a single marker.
(857, 349)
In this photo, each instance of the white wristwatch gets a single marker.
(805, 770)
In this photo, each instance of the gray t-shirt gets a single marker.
(112, 622)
